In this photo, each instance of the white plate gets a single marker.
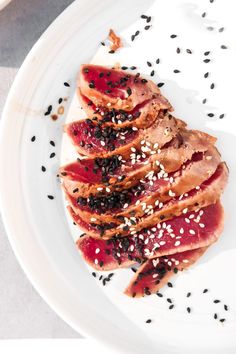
(38, 229)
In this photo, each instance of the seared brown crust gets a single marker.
(147, 115)
(201, 198)
(163, 130)
(151, 285)
(194, 174)
(181, 149)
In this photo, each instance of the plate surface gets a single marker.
(38, 228)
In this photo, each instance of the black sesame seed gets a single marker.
(52, 155)
(169, 300)
(210, 28)
(149, 321)
(101, 263)
(49, 110)
(149, 64)
(176, 71)
(223, 46)
(204, 100)
(188, 294)
(52, 143)
(171, 307)
(206, 75)
(129, 91)
(100, 278)
(207, 53)
(94, 274)
(132, 37)
(160, 84)
(133, 67)
(144, 81)
(158, 61)
(226, 308)
(189, 51)
(104, 282)
(221, 29)
(173, 36)
(204, 14)
(222, 320)
(43, 168)
(33, 138)
(188, 309)
(66, 84)
(210, 115)
(60, 100)
(212, 86)
(91, 84)
(205, 291)
(215, 316)
(147, 28)
(175, 270)
(111, 51)
(206, 60)
(137, 33)
(149, 19)
(102, 43)
(159, 294)
(177, 50)
(221, 116)
(110, 275)
(144, 17)
(124, 67)
(170, 285)
(50, 197)
(211, 1)
(152, 73)
(216, 301)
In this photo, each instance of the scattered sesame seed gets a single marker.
(149, 63)
(171, 307)
(158, 61)
(94, 274)
(170, 285)
(221, 116)
(173, 36)
(111, 51)
(160, 84)
(222, 320)
(226, 308)
(189, 51)
(159, 294)
(152, 73)
(188, 294)
(212, 86)
(206, 60)
(97, 250)
(52, 155)
(149, 321)
(206, 75)
(223, 46)
(204, 14)
(66, 84)
(33, 138)
(205, 291)
(177, 243)
(188, 309)
(43, 168)
(147, 28)
(215, 316)
(192, 232)
(177, 50)
(185, 211)
(216, 301)
(50, 197)
(176, 71)
(204, 100)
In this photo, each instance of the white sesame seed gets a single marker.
(169, 263)
(146, 252)
(133, 232)
(97, 250)
(176, 263)
(118, 254)
(137, 202)
(201, 225)
(135, 128)
(191, 216)
(142, 142)
(192, 232)
(141, 237)
(201, 212)
(181, 231)
(153, 229)
(161, 205)
(108, 104)
(171, 179)
(164, 225)
(156, 202)
(209, 157)
(155, 262)
(147, 143)
(108, 190)
(133, 149)
(157, 163)
(156, 145)
(99, 189)
(177, 243)
(131, 248)
(162, 243)
(185, 261)
(178, 237)
(96, 261)
(144, 206)
(187, 220)
(125, 205)
(185, 210)
(103, 143)
(172, 235)
(146, 241)
(185, 194)
(171, 194)
(93, 219)
(158, 226)
(197, 188)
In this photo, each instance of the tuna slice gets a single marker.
(130, 202)
(207, 193)
(182, 233)
(93, 140)
(116, 89)
(88, 176)
(142, 116)
(156, 272)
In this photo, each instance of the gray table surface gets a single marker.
(23, 313)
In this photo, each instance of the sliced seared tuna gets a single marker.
(207, 193)
(88, 176)
(94, 140)
(156, 272)
(188, 231)
(112, 88)
(158, 186)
